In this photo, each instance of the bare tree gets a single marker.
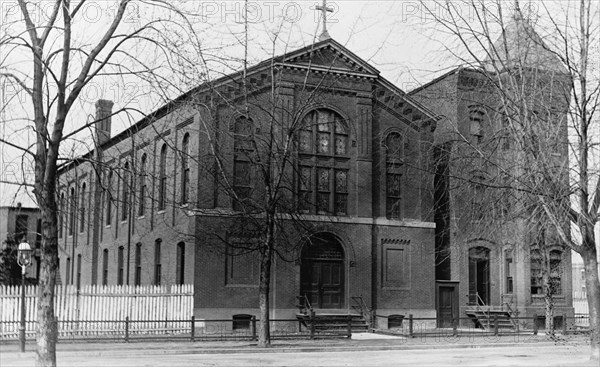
(261, 180)
(542, 136)
(50, 58)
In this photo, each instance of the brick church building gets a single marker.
(163, 202)
(146, 207)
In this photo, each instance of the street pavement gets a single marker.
(362, 350)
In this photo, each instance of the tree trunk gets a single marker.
(549, 304)
(266, 259)
(47, 331)
(264, 334)
(592, 284)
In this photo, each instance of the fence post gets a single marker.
(193, 329)
(349, 326)
(564, 325)
(495, 324)
(535, 326)
(410, 326)
(126, 329)
(312, 324)
(254, 328)
(454, 326)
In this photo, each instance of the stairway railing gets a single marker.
(365, 311)
(304, 305)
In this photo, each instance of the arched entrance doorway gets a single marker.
(322, 271)
(479, 276)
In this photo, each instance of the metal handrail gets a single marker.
(365, 311)
(305, 303)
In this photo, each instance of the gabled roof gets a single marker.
(520, 45)
(327, 56)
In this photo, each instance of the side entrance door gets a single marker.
(446, 303)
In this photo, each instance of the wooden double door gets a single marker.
(322, 273)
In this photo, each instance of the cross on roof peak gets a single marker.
(324, 10)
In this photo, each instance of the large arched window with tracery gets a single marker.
(323, 163)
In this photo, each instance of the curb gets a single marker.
(279, 349)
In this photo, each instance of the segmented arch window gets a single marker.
(185, 169)
(162, 178)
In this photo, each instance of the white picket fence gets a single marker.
(102, 310)
(581, 307)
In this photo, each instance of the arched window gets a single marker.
(185, 169)
(327, 129)
(162, 178)
(138, 264)
(72, 211)
(105, 267)
(394, 157)
(82, 208)
(61, 214)
(108, 198)
(180, 278)
(120, 265)
(242, 168)
(323, 187)
(157, 262)
(143, 187)
(125, 192)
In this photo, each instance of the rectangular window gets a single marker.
(509, 272)
(305, 141)
(142, 207)
(241, 183)
(536, 273)
(78, 271)
(72, 212)
(105, 267)
(157, 263)
(121, 262)
(21, 227)
(341, 192)
(305, 202)
(68, 275)
(108, 198)
(180, 275)
(323, 190)
(393, 197)
(185, 185)
(38, 234)
(138, 264)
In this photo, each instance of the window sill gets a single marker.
(162, 211)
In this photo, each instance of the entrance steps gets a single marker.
(333, 320)
(485, 317)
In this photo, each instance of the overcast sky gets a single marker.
(397, 37)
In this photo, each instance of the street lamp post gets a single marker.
(24, 259)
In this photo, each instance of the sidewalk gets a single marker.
(359, 342)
